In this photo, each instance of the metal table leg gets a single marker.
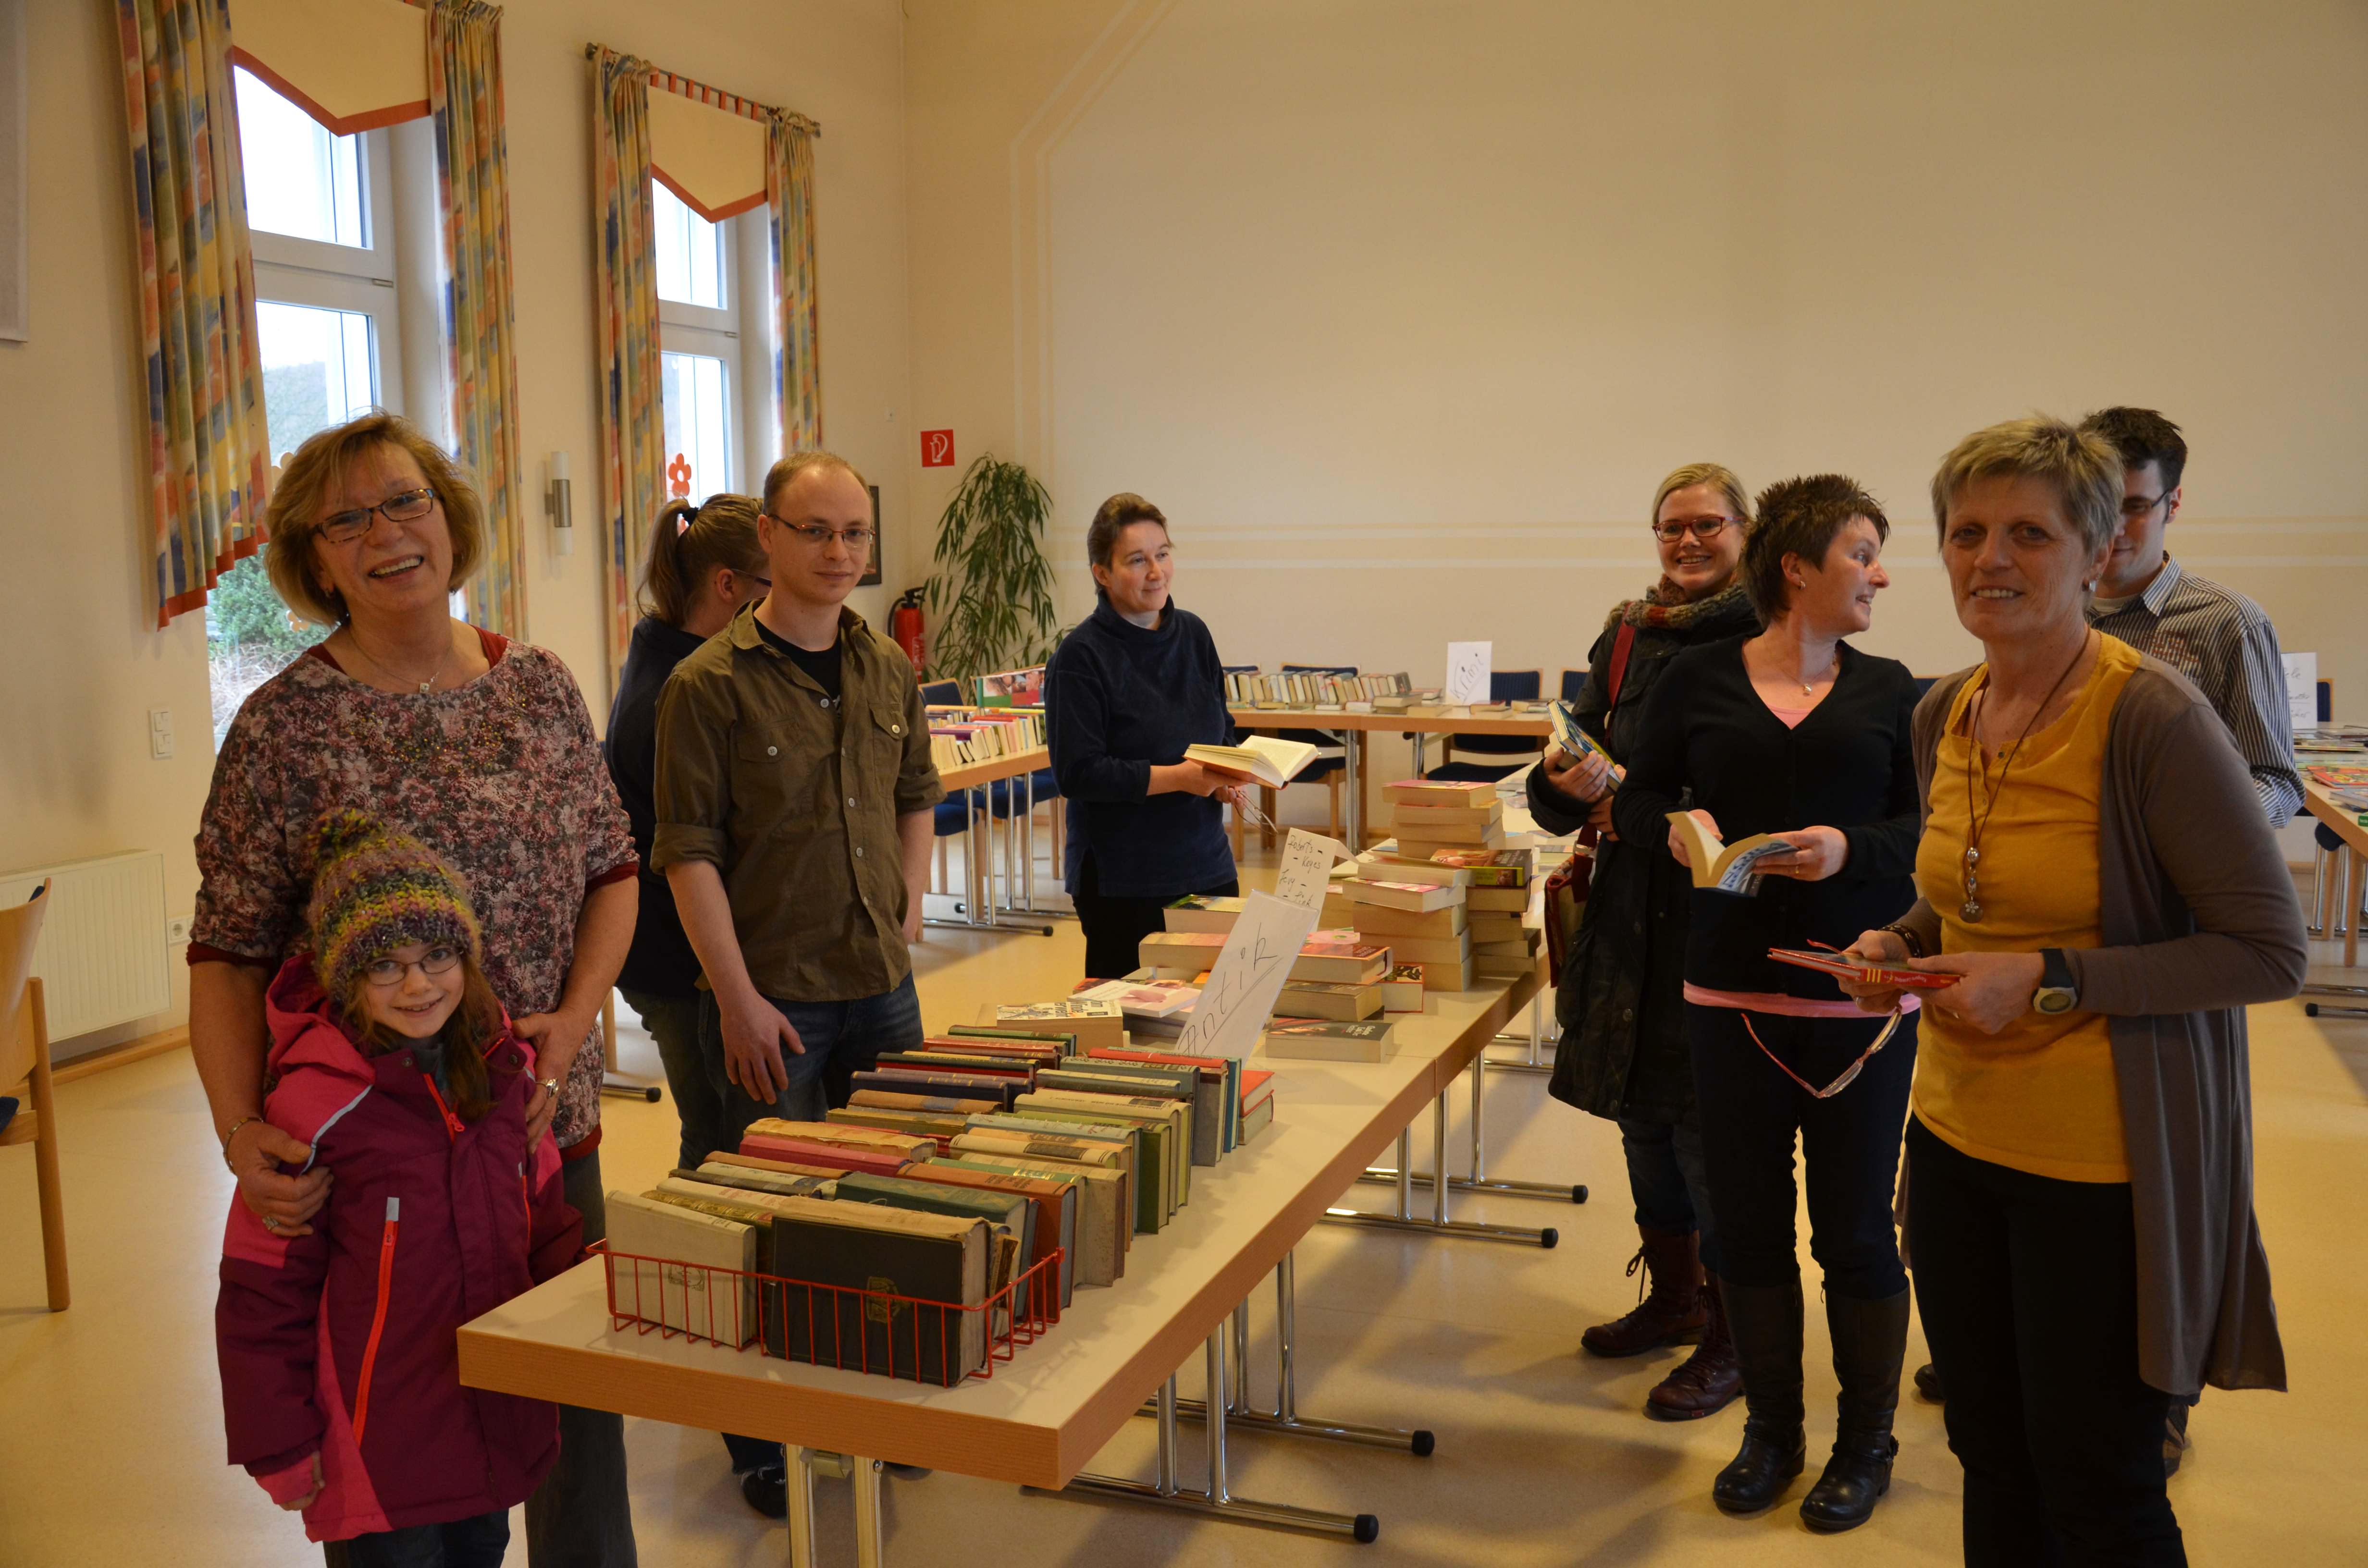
(1352, 768)
(1438, 1224)
(1534, 1063)
(1217, 1501)
(1478, 1181)
(978, 906)
(802, 1503)
(870, 1542)
(1286, 1417)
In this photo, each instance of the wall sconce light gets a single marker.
(558, 502)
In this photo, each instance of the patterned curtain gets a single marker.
(208, 451)
(797, 364)
(464, 95)
(625, 310)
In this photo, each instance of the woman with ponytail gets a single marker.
(704, 563)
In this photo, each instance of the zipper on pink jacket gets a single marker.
(378, 1318)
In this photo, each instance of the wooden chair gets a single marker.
(25, 1064)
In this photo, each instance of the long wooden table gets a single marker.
(1042, 1415)
(1353, 728)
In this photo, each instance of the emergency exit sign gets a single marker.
(937, 449)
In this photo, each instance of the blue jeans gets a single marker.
(581, 1515)
(841, 1039)
(1667, 1178)
(673, 1022)
(478, 1542)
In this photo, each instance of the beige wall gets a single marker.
(1401, 308)
(85, 661)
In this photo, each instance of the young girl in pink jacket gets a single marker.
(341, 1387)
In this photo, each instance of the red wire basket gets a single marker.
(879, 1331)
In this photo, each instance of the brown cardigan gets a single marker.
(2200, 920)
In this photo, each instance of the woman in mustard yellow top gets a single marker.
(2096, 872)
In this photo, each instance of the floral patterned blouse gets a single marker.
(501, 776)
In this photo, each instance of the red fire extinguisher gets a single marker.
(905, 626)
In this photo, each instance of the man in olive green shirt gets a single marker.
(794, 789)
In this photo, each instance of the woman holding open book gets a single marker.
(1132, 685)
(1622, 1053)
(2097, 873)
(1793, 747)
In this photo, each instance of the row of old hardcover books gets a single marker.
(961, 737)
(1302, 688)
(908, 1233)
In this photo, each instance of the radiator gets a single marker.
(102, 955)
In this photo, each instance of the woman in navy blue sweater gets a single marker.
(1128, 689)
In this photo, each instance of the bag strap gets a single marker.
(1621, 642)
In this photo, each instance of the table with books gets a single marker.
(1043, 1383)
(961, 773)
(1418, 721)
(2335, 789)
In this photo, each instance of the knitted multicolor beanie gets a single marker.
(374, 889)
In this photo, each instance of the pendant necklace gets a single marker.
(1971, 910)
(426, 687)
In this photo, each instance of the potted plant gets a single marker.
(994, 590)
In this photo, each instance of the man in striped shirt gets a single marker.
(2214, 636)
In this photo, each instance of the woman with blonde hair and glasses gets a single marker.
(2097, 873)
(1619, 1000)
(479, 747)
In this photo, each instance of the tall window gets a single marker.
(321, 210)
(698, 342)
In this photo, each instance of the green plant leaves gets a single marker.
(994, 590)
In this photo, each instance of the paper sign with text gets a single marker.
(1467, 671)
(1308, 868)
(1239, 994)
(2301, 691)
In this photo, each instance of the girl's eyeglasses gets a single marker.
(438, 960)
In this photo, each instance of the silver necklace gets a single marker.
(426, 687)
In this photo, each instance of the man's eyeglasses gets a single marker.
(1677, 528)
(2135, 508)
(438, 960)
(857, 540)
(343, 527)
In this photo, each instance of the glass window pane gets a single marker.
(299, 179)
(690, 252)
(698, 427)
(320, 368)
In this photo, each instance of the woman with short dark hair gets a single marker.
(2097, 871)
(1794, 733)
(1128, 689)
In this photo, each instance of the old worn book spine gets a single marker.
(855, 1324)
(684, 1269)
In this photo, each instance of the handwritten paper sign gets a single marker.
(1246, 978)
(1467, 671)
(2301, 691)
(1308, 868)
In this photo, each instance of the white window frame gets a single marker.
(740, 332)
(292, 271)
(714, 332)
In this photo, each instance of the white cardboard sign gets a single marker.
(2301, 691)
(1467, 671)
(1246, 978)
(1307, 871)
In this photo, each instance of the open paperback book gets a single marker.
(1262, 759)
(1841, 966)
(1727, 868)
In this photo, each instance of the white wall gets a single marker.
(1400, 308)
(85, 661)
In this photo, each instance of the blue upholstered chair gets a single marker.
(1504, 686)
(1573, 682)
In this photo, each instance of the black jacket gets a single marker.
(1120, 699)
(660, 962)
(1710, 741)
(1620, 998)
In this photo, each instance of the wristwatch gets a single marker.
(2056, 994)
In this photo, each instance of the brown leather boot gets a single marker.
(1668, 1308)
(1711, 1378)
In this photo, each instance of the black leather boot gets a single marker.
(1766, 1322)
(1870, 1342)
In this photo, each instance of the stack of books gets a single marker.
(1447, 895)
(1337, 975)
(1429, 815)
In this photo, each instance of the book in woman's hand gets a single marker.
(1261, 759)
(1577, 743)
(1726, 868)
(1842, 966)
